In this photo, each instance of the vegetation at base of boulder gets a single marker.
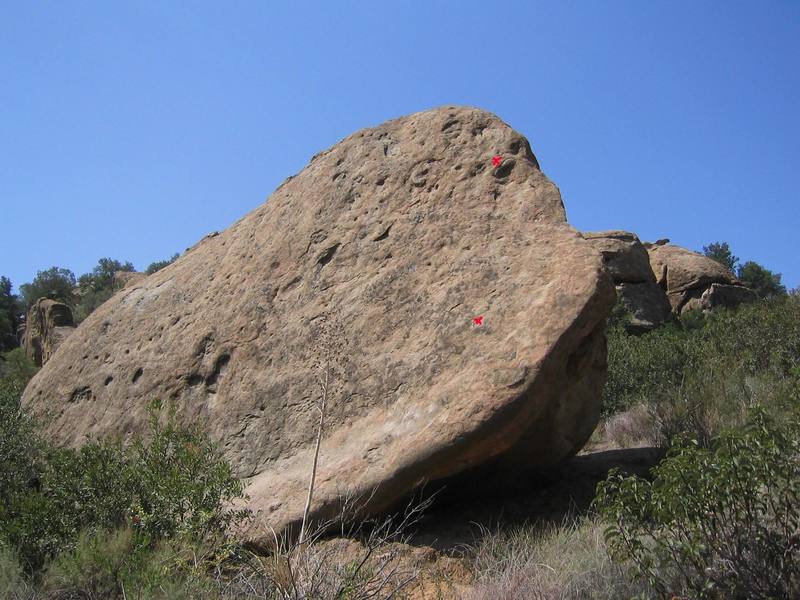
(160, 264)
(715, 522)
(15, 364)
(701, 374)
(564, 562)
(171, 484)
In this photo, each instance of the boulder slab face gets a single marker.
(47, 324)
(472, 313)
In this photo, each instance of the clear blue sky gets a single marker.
(132, 129)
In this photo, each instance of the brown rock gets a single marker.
(400, 235)
(684, 274)
(47, 325)
(720, 295)
(624, 256)
(123, 279)
(627, 261)
(647, 304)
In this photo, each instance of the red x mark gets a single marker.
(478, 321)
(496, 160)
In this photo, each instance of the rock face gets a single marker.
(627, 261)
(721, 295)
(47, 325)
(123, 279)
(471, 320)
(685, 275)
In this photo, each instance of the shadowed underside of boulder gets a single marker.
(472, 312)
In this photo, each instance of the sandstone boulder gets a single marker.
(627, 261)
(684, 274)
(720, 295)
(47, 325)
(471, 320)
(647, 304)
(624, 256)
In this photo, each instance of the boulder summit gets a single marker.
(468, 315)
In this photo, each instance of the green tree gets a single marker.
(721, 252)
(98, 286)
(9, 316)
(762, 281)
(55, 282)
(716, 522)
(160, 264)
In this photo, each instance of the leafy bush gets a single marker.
(703, 375)
(112, 564)
(175, 483)
(15, 364)
(716, 522)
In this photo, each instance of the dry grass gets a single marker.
(566, 562)
(633, 428)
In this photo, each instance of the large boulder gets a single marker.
(471, 320)
(47, 324)
(685, 275)
(626, 260)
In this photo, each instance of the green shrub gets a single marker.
(716, 522)
(174, 484)
(113, 564)
(703, 374)
(15, 364)
(12, 581)
(181, 482)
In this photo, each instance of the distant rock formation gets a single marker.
(471, 316)
(47, 325)
(627, 261)
(687, 279)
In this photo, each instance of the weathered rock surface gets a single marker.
(123, 279)
(47, 325)
(401, 235)
(684, 274)
(720, 295)
(627, 261)
(647, 304)
(624, 256)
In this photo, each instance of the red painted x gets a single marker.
(496, 160)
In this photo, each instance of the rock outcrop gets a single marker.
(627, 261)
(470, 318)
(686, 276)
(47, 325)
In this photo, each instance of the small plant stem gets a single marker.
(316, 457)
